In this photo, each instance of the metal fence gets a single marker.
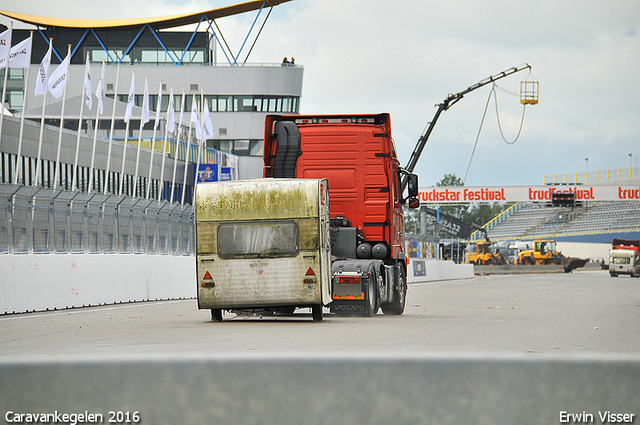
(39, 220)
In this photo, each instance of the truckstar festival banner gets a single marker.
(457, 194)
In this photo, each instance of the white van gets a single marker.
(263, 246)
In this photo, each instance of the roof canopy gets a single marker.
(155, 23)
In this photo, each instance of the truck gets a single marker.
(624, 258)
(263, 246)
(357, 156)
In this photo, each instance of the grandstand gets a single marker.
(589, 222)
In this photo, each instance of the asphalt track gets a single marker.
(582, 312)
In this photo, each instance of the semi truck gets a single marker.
(356, 154)
(356, 157)
(624, 258)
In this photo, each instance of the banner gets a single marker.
(5, 47)
(207, 126)
(158, 107)
(58, 78)
(194, 118)
(43, 72)
(447, 223)
(21, 54)
(145, 103)
(131, 98)
(100, 91)
(460, 194)
(171, 114)
(87, 84)
(207, 173)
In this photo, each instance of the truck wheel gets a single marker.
(216, 314)
(371, 294)
(396, 307)
(316, 312)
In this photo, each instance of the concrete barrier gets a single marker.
(425, 270)
(303, 389)
(33, 282)
(517, 269)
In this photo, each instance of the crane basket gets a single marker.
(529, 91)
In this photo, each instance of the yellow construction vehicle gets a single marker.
(483, 254)
(544, 253)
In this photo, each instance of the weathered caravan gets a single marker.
(263, 246)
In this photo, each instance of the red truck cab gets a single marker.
(356, 154)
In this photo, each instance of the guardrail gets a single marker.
(41, 221)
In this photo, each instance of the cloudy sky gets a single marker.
(405, 57)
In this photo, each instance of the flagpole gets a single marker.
(96, 127)
(64, 101)
(153, 138)
(87, 74)
(144, 118)
(175, 160)
(199, 143)
(43, 77)
(127, 117)
(24, 109)
(186, 158)
(113, 120)
(6, 76)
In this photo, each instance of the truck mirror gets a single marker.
(414, 203)
(412, 186)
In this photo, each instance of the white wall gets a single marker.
(435, 270)
(32, 282)
(592, 251)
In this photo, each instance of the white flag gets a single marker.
(21, 54)
(5, 47)
(145, 103)
(87, 84)
(171, 119)
(130, 99)
(58, 78)
(180, 126)
(158, 106)
(43, 73)
(207, 126)
(195, 119)
(100, 91)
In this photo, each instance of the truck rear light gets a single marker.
(310, 276)
(348, 279)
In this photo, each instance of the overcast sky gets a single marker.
(405, 57)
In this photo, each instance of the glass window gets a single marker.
(16, 100)
(224, 103)
(264, 239)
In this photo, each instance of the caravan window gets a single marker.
(262, 239)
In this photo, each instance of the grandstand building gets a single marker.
(588, 221)
(198, 64)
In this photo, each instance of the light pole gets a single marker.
(630, 166)
(587, 159)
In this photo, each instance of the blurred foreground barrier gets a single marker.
(319, 389)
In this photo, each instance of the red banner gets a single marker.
(457, 194)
